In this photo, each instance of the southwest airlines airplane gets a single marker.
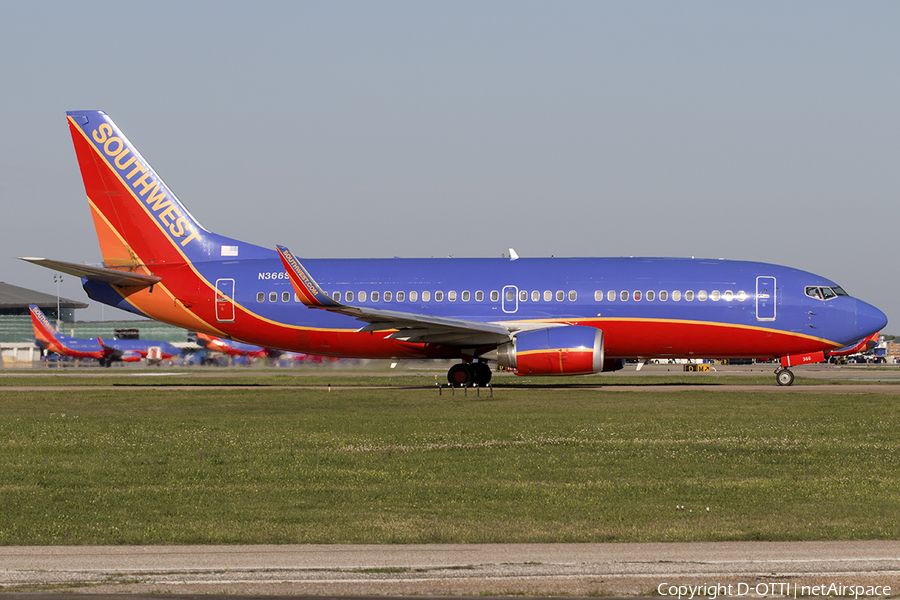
(539, 316)
(48, 338)
(232, 348)
(239, 349)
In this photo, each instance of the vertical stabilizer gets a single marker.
(45, 334)
(139, 221)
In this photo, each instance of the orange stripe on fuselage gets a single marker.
(631, 338)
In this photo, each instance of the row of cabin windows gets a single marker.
(663, 295)
(535, 295)
(452, 296)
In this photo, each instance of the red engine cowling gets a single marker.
(568, 350)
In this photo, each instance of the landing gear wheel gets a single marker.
(784, 377)
(481, 373)
(460, 375)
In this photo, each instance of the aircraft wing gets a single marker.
(99, 274)
(410, 327)
(418, 328)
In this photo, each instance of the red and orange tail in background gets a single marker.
(44, 332)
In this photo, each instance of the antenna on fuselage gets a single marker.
(512, 254)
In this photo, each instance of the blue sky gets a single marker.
(762, 131)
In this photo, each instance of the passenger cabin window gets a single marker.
(495, 295)
(273, 296)
(637, 295)
(535, 296)
(336, 296)
(548, 295)
(401, 296)
(439, 296)
(610, 295)
(701, 295)
(729, 296)
(375, 296)
(598, 296)
(623, 296)
(426, 296)
(689, 296)
(573, 295)
(348, 296)
(388, 296)
(451, 296)
(676, 296)
(741, 296)
(479, 296)
(361, 296)
(714, 296)
(510, 295)
(414, 296)
(650, 296)
(663, 296)
(523, 296)
(285, 296)
(261, 297)
(465, 296)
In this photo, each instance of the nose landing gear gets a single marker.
(784, 376)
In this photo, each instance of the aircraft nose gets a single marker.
(869, 319)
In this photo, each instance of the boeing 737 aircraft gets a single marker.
(232, 348)
(239, 349)
(48, 338)
(538, 316)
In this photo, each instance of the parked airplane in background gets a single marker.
(48, 338)
(239, 349)
(542, 316)
(232, 348)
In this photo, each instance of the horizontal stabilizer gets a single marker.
(98, 274)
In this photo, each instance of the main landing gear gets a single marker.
(466, 374)
(784, 376)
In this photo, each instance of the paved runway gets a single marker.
(752, 569)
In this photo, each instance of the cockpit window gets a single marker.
(825, 293)
(813, 292)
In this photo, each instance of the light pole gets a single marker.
(57, 279)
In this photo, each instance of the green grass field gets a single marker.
(146, 466)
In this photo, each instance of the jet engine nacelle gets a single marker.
(568, 350)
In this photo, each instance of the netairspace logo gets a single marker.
(780, 589)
